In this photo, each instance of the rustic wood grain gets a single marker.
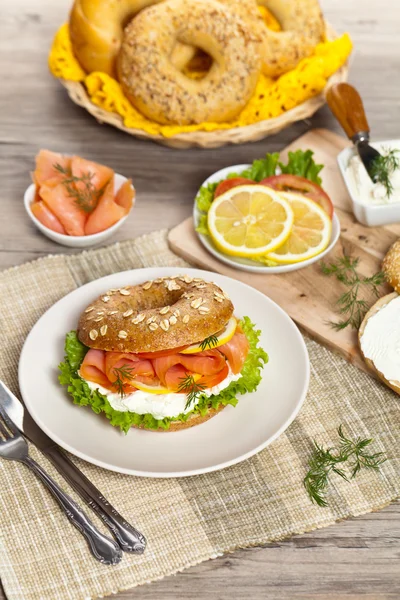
(355, 559)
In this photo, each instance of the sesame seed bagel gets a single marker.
(391, 266)
(157, 315)
(166, 95)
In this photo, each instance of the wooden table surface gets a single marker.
(354, 559)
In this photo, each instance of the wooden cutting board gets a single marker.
(307, 295)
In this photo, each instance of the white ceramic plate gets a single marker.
(243, 263)
(230, 437)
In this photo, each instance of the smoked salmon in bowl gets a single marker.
(76, 202)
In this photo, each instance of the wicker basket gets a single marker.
(211, 139)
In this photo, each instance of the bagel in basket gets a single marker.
(160, 91)
(163, 355)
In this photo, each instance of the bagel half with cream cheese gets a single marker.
(376, 343)
(164, 355)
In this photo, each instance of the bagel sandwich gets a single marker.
(164, 355)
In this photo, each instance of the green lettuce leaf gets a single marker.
(262, 168)
(75, 350)
(205, 196)
(202, 227)
(301, 163)
(82, 394)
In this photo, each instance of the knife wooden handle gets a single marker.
(346, 104)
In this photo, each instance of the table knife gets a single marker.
(128, 538)
(346, 104)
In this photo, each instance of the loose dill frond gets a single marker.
(190, 387)
(122, 374)
(350, 305)
(86, 196)
(383, 166)
(325, 461)
(210, 342)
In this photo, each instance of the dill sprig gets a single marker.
(325, 461)
(350, 305)
(122, 374)
(86, 196)
(190, 387)
(210, 342)
(383, 166)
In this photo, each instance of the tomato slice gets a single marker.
(161, 353)
(300, 185)
(228, 184)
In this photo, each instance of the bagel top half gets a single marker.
(162, 314)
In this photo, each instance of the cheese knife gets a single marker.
(128, 538)
(346, 105)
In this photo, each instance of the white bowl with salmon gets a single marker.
(234, 407)
(76, 202)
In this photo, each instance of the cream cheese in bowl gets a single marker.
(372, 205)
(362, 186)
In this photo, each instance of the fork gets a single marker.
(13, 446)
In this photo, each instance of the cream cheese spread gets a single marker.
(380, 341)
(362, 186)
(158, 405)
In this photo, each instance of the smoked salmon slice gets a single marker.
(110, 209)
(93, 368)
(106, 213)
(209, 362)
(46, 217)
(64, 208)
(236, 351)
(170, 371)
(125, 196)
(99, 175)
(46, 172)
(134, 366)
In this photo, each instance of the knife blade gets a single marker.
(347, 106)
(129, 538)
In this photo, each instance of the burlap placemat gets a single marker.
(187, 520)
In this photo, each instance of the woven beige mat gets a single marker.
(188, 520)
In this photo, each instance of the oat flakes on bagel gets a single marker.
(157, 315)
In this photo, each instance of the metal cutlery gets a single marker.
(128, 538)
(346, 104)
(13, 446)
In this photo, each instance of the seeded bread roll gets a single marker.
(154, 85)
(394, 385)
(391, 266)
(157, 315)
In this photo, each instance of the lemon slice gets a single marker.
(157, 389)
(311, 231)
(221, 338)
(249, 220)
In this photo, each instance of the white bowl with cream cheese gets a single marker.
(371, 205)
